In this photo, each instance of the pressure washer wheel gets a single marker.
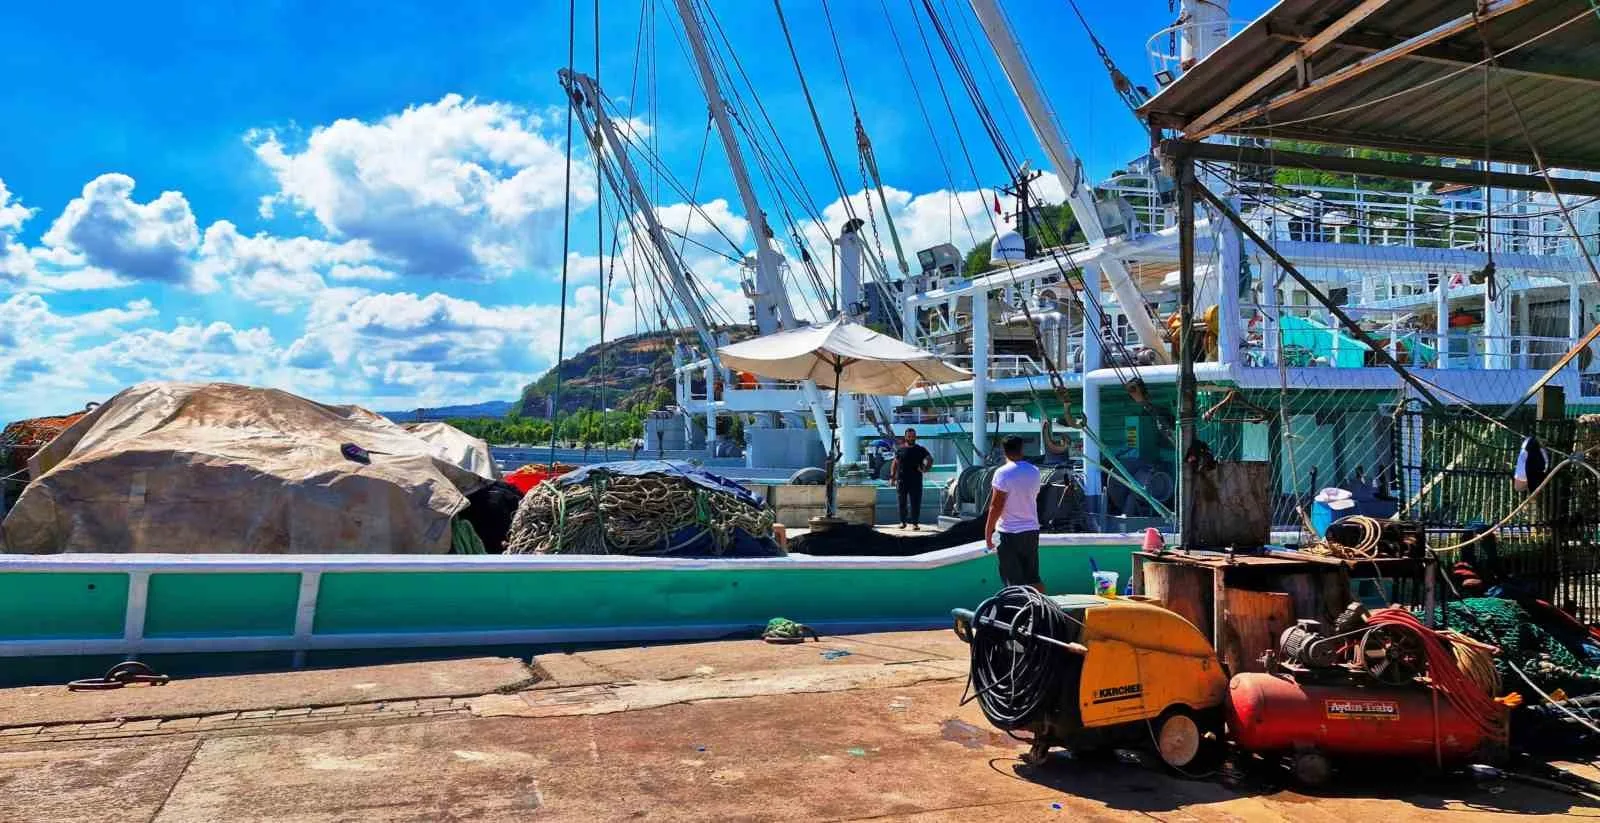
(1183, 740)
(1037, 754)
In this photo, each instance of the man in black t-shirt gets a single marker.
(910, 461)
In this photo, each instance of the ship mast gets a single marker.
(1080, 198)
(581, 91)
(771, 299)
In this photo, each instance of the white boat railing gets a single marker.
(1526, 223)
(1001, 366)
(1309, 338)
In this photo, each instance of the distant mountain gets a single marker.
(488, 408)
(636, 374)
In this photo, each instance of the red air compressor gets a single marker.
(1379, 686)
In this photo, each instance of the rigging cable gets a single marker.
(927, 121)
(566, 233)
(870, 178)
(600, 268)
(801, 191)
(1086, 294)
(816, 119)
(776, 176)
(1132, 96)
(988, 71)
(1566, 217)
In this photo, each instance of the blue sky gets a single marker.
(361, 201)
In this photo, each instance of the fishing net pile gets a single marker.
(1553, 655)
(647, 507)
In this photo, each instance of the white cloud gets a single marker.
(42, 355)
(106, 229)
(280, 273)
(12, 215)
(713, 223)
(453, 189)
(15, 263)
(922, 220)
(190, 350)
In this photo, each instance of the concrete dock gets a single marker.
(867, 727)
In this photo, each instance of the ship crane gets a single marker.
(771, 297)
(1080, 197)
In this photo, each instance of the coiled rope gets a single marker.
(1365, 548)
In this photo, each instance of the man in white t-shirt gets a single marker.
(1014, 513)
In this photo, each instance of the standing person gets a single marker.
(1014, 513)
(906, 475)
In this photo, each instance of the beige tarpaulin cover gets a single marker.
(216, 467)
(458, 447)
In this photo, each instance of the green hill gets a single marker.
(636, 373)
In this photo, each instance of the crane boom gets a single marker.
(1079, 197)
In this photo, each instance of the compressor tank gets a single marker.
(1275, 714)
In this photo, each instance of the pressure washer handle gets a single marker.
(963, 624)
(966, 618)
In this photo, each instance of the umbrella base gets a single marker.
(822, 524)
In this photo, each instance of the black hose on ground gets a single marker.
(1016, 679)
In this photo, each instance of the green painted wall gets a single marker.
(50, 606)
(221, 605)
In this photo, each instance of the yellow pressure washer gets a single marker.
(1084, 672)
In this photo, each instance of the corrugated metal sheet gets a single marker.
(1432, 102)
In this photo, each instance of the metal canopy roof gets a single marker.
(1404, 75)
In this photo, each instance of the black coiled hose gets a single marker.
(1016, 679)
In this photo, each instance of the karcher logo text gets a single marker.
(1114, 693)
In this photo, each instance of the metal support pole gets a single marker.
(1442, 323)
(847, 409)
(832, 509)
(1093, 477)
(1522, 329)
(1231, 259)
(1497, 328)
(1574, 315)
(711, 409)
(1184, 174)
(980, 374)
(910, 329)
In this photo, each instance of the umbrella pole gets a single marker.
(833, 450)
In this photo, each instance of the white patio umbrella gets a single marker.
(844, 356)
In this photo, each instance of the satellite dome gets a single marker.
(1007, 249)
